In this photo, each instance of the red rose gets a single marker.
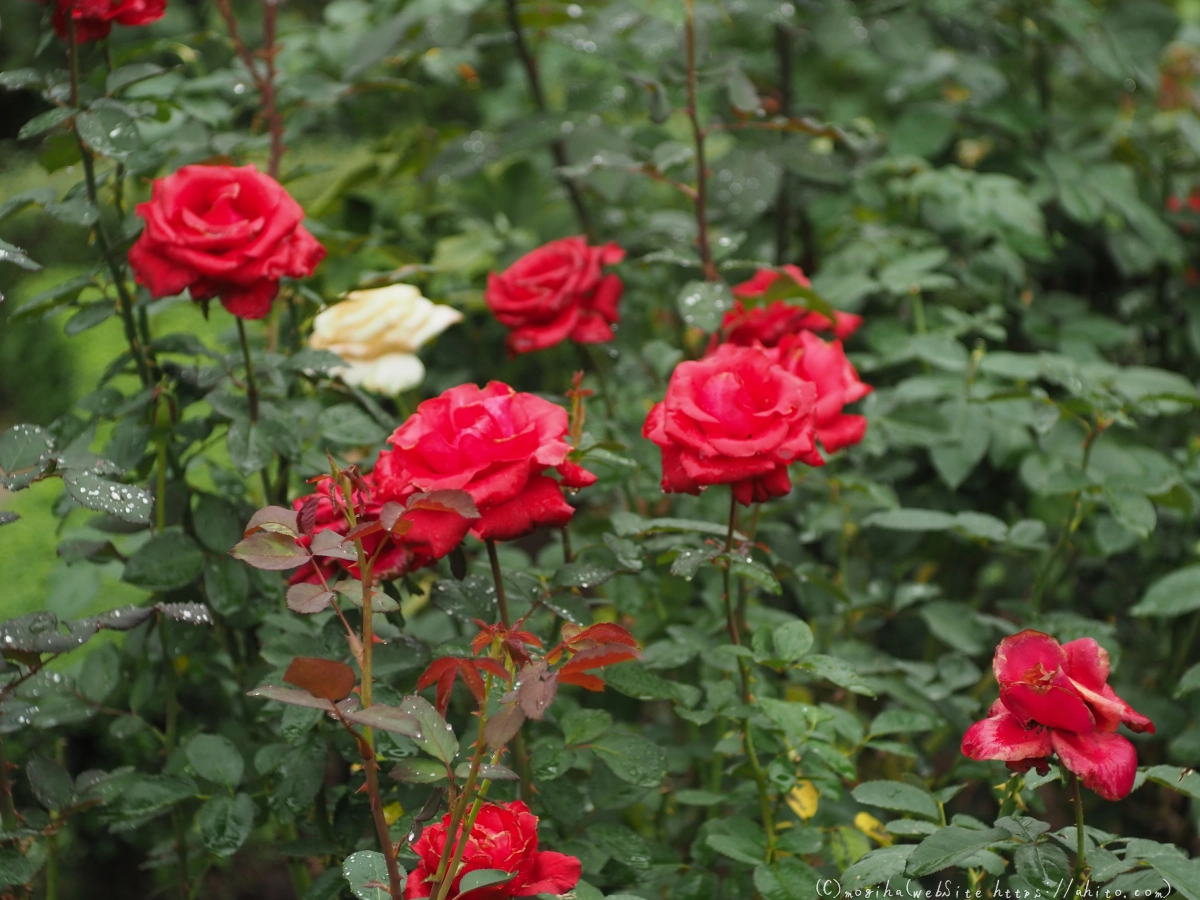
(766, 325)
(225, 232)
(825, 365)
(1055, 698)
(558, 291)
(93, 18)
(503, 837)
(430, 536)
(734, 417)
(495, 444)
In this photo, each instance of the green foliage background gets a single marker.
(987, 182)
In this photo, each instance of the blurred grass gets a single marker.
(44, 372)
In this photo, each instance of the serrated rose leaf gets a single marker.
(270, 550)
(324, 678)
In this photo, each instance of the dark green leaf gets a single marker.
(949, 846)
(216, 758)
(225, 822)
(166, 562)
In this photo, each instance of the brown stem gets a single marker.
(783, 205)
(371, 767)
(557, 148)
(270, 109)
(8, 810)
(698, 135)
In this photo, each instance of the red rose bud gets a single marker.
(226, 232)
(1055, 698)
(503, 837)
(825, 365)
(557, 292)
(93, 18)
(495, 444)
(734, 417)
(767, 325)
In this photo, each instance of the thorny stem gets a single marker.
(371, 767)
(501, 599)
(698, 135)
(251, 384)
(136, 347)
(456, 814)
(760, 777)
(557, 148)
(264, 83)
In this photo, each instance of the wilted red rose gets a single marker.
(767, 325)
(734, 417)
(825, 365)
(93, 18)
(556, 292)
(503, 837)
(430, 534)
(495, 444)
(1055, 698)
(226, 232)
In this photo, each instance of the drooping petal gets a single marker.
(1106, 762)
(1003, 736)
(1054, 705)
(553, 873)
(1087, 663)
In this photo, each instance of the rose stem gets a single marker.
(760, 778)
(251, 385)
(171, 679)
(8, 810)
(594, 365)
(557, 147)
(522, 759)
(698, 135)
(89, 177)
(1080, 858)
(783, 203)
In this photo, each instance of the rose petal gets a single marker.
(1106, 762)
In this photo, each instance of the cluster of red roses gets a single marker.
(93, 19)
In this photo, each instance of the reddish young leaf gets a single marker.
(536, 686)
(306, 518)
(308, 598)
(270, 550)
(446, 501)
(597, 657)
(446, 669)
(325, 678)
(362, 529)
(391, 517)
(513, 642)
(330, 543)
(583, 679)
(503, 726)
(274, 518)
(576, 638)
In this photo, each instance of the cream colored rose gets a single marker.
(378, 333)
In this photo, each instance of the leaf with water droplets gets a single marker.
(290, 696)
(582, 575)
(434, 735)
(703, 304)
(472, 598)
(126, 502)
(224, 823)
(418, 771)
(366, 871)
(386, 718)
(25, 452)
(7, 517)
(10, 253)
(632, 758)
(108, 131)
(76, 211)
(270, 550)
(308, 598)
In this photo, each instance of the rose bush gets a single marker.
(898, 364)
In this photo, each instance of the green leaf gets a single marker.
(77, 211)
(108, 131)
(787, 879)
(1185, 781)
(1173, 595)
(634, 680)
(15, 869)
(154, 795)
(25, 451)
(898, 796)
(880, 865)
(1132, 510)
(472, 598)
(702, 304)
(224, 823)
(582, 575)
(1042, 864)
(792, 640)
(632, 758)
(579, 726)
(798, 719)
(44, 122)
(366, 871)
(132, 74)
(50, 783)
(910, 520)
(10, 253)
(949, 846)
(347, 425)
(249, 446)
(418, 771)
(101, 673)
(741, 847)
(1189, 681)
(481, 878)
(743, 95)
(901, 721)
(435, 737)
(270, 550)
(166, 562)
(216, 758)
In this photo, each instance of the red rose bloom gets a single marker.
(767, 325)
(503, 837)
(825, 365)
(557, 291)
(734, 417)
(93, 18)
(495, 444)
(430, 536)
(1055, 698)
(225, 232)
